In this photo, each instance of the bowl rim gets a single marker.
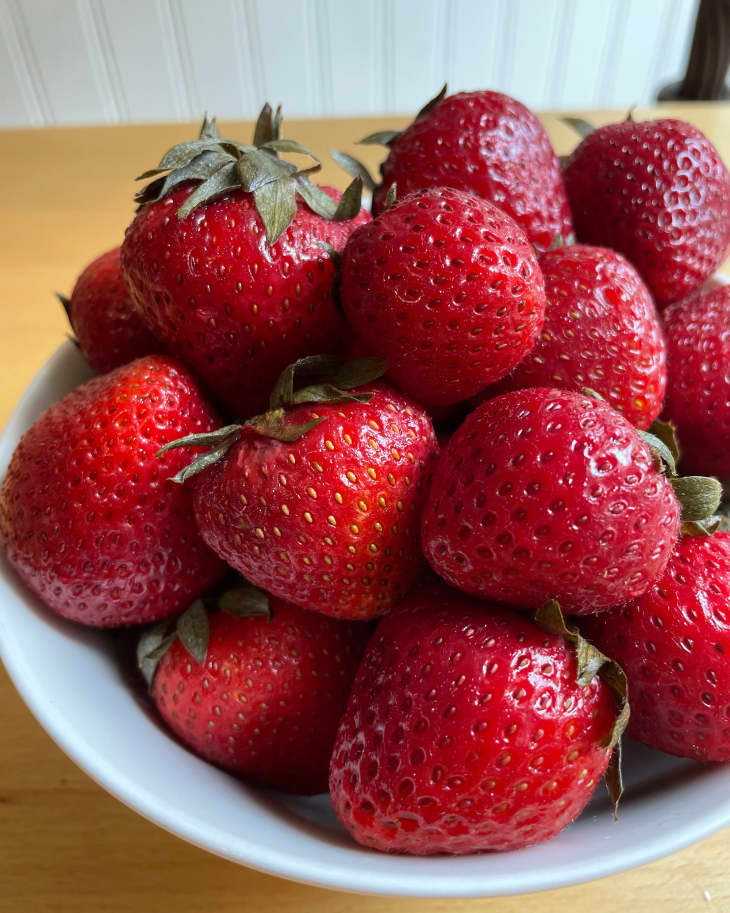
(279, 861)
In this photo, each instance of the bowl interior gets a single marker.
(79, 685)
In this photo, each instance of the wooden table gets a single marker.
(65, 845)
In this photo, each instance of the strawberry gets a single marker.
(487, 144)
(601, 330)
(673, 644)
(548, 494)
(231, 273)
(447, 289)
(108, 329)
(698, 387)
(658, 193)
(321, 505)
(469, 728)
(89, 518)
(260, 696)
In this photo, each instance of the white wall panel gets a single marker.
(103, 61)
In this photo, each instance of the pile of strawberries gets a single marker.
(446, 414)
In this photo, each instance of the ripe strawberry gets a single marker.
(321, 506)
(108, 329)
(489, 145)
(658, 193)
(698, 387)
(547, 494)
(89, 518)
(266, 696)
(673, 644)
(601, 330)
(447, 289)
(231, 274)
(468, 729)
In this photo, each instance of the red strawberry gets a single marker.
(601, 331)
(223, 280)
(266, 698)
(698, 387)
(322, 506)
(89, 517)
(108, 329)
(489, 145)
(673, 643)
(467, 730)
(547, 494)
(447, 289)
(658, 193)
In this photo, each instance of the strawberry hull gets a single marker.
(466, 731)
(229, 305)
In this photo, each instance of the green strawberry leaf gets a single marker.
(667, 434)
(430, 105)
(217, 185)
(264, 129)
(350, 201)
(699, 496)
(209, 129)
(391, 195)
(354, 167)
(193, 630)
(380, 138)
(245, 601)
(591, 662)
(277, 205)
(582, 127)
(152, 646)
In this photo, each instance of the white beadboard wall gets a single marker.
(114, 61)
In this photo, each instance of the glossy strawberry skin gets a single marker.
(447, 289)
(466, 731)
(698, 388)
(266, 702)
(601, 331)
(107, 326)
(673, 644)
(547, 494)
(331, 521)
(88, 515)
(658, 193)
(491, 146)
(234, 309)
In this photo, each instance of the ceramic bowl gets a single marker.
(75, 683)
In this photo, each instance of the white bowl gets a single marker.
(74, 683)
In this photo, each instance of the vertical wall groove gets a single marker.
(560, 50)
(249, 95)
(254, 48)
(97, 58)
(28, 65)
(107, 46)
(322, 44)
(506, 52)
(181, 46)
(161, 59)
(612, 43)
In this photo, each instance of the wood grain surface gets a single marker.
(65, 845)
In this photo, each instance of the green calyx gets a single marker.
(356, 168)
(582, 127)
(699, 496)
(591, 663)
(191, 628)
(337, 378)
(221, 166)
